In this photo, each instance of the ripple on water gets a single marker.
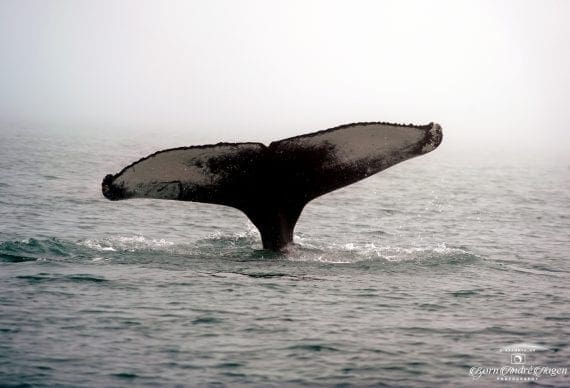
(73, 278)
(206, 320)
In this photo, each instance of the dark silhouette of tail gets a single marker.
(272, 185)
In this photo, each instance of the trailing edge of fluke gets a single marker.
(272, 184)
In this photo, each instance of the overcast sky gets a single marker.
(488, 71)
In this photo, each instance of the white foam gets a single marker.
(353, 252)
(126, 243)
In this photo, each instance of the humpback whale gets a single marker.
(272, 184)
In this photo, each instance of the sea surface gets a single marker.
(416, 276)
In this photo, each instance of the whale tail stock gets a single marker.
(272, 184)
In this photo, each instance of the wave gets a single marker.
(244, 246)
(34, 249)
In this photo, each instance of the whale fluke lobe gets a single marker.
(271, 185)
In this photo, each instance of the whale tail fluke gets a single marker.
(271, 185)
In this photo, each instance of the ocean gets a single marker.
(450, 269)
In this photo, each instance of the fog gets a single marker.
(491, 72)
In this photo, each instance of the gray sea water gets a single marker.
(413, 277)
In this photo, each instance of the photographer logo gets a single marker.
(521, 365)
